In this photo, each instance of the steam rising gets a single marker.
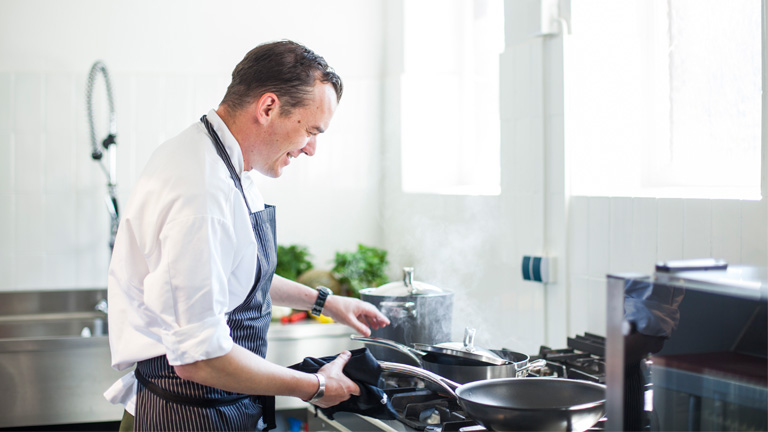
(458, 251)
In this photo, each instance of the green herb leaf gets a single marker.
(361, 269)
(292, 261)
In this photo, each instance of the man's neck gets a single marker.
(227, 117)
(233, 123)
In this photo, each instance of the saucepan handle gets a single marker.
(446, 384)
(523, 370)
(398, 309)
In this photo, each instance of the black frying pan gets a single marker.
(510, 404)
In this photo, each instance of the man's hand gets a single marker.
(360, 315)
(338, 387)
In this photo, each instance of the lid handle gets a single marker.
(408, 279)
(469, 339)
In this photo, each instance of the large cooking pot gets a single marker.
(462, 363)
(530, 404)
(418, 313)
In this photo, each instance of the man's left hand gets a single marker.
(360, 315)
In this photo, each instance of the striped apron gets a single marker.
(168, 403)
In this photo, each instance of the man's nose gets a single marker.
(309, 149)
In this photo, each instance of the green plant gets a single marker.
(361, 269)
(292, 261)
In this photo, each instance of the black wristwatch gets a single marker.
(322, 294)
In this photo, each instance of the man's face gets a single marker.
(290, 136)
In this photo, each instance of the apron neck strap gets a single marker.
(225, 157)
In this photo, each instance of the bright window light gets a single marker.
(663, 98)
(450, 96)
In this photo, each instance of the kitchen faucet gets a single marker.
(101, 306)
(108, 144)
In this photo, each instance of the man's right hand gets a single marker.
(338, 387)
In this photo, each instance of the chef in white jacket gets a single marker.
(191, 281)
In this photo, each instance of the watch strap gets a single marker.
(322, 296)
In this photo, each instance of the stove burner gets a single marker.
(393, 381)
(421, 408)
(573, 362)
(589, 343)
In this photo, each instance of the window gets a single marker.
(663, 98)
(450, 96)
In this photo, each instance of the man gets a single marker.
(191, 279)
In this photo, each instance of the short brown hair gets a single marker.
(285, 68)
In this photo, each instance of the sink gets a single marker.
(50, 374)
(53, 327)
(40, 315)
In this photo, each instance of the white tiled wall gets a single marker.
(55, 223)
(479, 256)
(594, 236)
(169, 64)
(632, 234)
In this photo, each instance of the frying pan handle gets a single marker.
(410, 352)
(446, 384)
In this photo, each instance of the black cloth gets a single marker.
(365, 371)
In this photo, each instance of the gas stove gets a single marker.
(584, 359)
(422, 408)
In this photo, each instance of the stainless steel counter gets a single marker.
(55, 359)
(350, 422)
(290, 343)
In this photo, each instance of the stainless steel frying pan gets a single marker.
(511, 404)
(459, 368)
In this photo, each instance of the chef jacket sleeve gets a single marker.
(188, 291)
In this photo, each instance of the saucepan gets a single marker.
(418, 313)
(512, 404)
(463, 362)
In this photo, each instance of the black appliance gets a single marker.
(711, 372)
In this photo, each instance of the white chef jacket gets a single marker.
(184, 256)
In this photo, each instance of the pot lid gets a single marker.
(465, 350)
(406, 287)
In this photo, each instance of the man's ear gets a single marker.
(267, 107)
